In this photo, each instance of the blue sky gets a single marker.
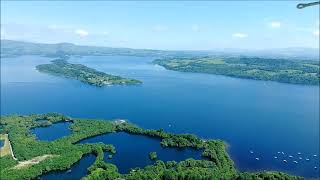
(163, 24)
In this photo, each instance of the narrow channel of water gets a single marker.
(77, 171)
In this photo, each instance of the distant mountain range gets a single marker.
(17, 48)
(11, 48)
(294, 53)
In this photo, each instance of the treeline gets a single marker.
(191, 169)
(266, 175)
(280, 70)
(214, 150)
(67, 151)
(83, 73)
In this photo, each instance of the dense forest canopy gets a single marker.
(64, 152)
(280, 70)
(83, 73)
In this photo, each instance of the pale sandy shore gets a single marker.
(33, 161)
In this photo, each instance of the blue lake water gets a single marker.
(77, 171)
(52, 132)
(1, 143)
(265, 117)
(133, 150)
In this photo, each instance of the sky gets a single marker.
(167, 25)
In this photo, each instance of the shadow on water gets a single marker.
(52, 132)
(133, 150)
(77, 171)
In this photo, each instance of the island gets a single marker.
(280, 70)
(30, 158)
(60, 67)
(153, 155)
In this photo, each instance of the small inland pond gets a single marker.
(1, 143)
(133, 150)
(52, 132)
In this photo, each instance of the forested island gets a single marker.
(31, 158)
(83, 73)
(280, 70)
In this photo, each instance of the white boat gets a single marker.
(290, 156)
(307, 159)
(251, 152)
(257, 159)
(300, 157)
(315, 155)
(285, 161)
(295, 162)
(276, 157)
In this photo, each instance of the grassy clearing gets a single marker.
(33, 161)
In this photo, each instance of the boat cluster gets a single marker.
(282, 154)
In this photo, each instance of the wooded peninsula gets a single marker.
(60, 67)
(61, 154)
(280, 70)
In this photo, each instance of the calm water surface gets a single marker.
(77, 171)
(53, 132)
(133, 150)
(265, 117)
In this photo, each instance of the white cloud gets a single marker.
(195, 28)
(316, 33)
(240, 35)
(160, 28)
(81, 32)
(275, 24)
